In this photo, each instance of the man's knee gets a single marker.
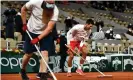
(44, 53)
(71, 56)
(84, 50)
(29, 55)
(70, 53)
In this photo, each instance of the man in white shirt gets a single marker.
(44, 15)
(75, 35)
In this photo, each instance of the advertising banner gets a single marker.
(122, 62)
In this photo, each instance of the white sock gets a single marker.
(80, 66)
(69, 69)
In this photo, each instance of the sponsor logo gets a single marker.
(13, 62)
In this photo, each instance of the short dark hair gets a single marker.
(90, 21)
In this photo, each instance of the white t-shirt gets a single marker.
(80, 33)
(35, 24)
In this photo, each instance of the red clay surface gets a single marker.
(75, 76)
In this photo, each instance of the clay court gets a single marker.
(88, 76)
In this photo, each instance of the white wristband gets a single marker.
(81, 43)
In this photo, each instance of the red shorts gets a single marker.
(75, 44)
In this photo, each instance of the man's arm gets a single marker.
(23, 14)
(73, 31)
(50, 24)
(48, 29)
(28, 6)
(70, 34)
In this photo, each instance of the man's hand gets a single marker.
(70, 50)
(47, 30)
(24, 27)
(35, 41)
(68, 46)
(80, 38)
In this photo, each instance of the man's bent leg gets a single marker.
(43, 67)
(43, 70)
(84, 54)
(71, 56)
(25, 61)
